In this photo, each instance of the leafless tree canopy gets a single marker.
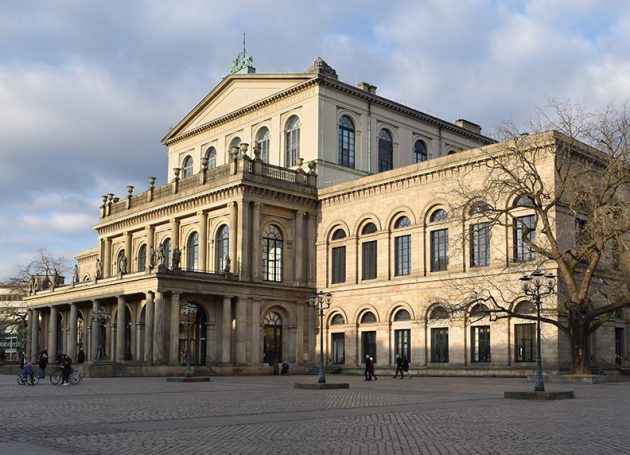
(582, 209)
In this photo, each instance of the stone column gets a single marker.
(256, 356)
(226, 330)
(255, 261)
(148, 328)
(128, 252)
(311, 257)
(72, 341)
(203, 240)
(52, 331)
(299, 248)
(107, 262)
(233, 236)
(299, 333)
(241, 331)
(150, 246)
(95, 331)
(29, 335)
(173, 356)
(35, 333)
(175, 234)
(158, 329)
(120, 328)
(243, 237)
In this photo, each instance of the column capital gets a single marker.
(231, 204)
(301, 213)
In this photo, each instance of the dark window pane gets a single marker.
(524, 346)
(439, 345)
(480, 343)
(339, 264)
(369, 260)
(479, 245)
(524, 227)
(439, 250)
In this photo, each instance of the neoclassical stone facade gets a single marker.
(344, 191)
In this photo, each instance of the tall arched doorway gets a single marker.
(272, 333)
(198, 339)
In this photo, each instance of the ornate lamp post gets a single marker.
(188, 314)
(101, 317)
(538, 285)
(321, 301)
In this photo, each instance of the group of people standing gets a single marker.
(63, 362)
(402, 367)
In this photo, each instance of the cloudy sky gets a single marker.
(88, 89)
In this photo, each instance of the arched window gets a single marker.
(479, 208)
(479, 310)
(385, 151)
(337, 320)
(292, 139)
(402, 315)
(222, 242)
(438, 216)
(273, 246)
(187, 167)
(419, 151)
(525, 307)
(142, 258)
(368, 318)
(369, 228)
(192, 252)
(262, 137)
(211, 155)
(368, 254)
(346, 142)
(166, 251)
(339, 234)
(439, 312)
(524, 201)
(402, 248)
(338, 258)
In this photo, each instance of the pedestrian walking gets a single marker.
(399, 367)
(42, 362)
(405, 366)
(372, 368)
(66, 368)
(368, 368)
(81, 356)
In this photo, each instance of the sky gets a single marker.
(88, 89)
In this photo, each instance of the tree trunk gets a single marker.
(580, 355)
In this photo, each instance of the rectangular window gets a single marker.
(338, 348)
(439, 345)
(479, 245)
(402, 342)
(439, 250)
(524, 346)
(402, 255)
(524, 227)
(480, 343)
(368, 341)
(369, 260)
(339, 264)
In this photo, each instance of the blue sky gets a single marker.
(88, 89)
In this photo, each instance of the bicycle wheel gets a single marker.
(55, 378)
(75, 378)
(34, 380)
(21, 380)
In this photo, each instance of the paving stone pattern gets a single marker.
(266, 415)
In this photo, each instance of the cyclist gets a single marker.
(27, 372)
(66, 368)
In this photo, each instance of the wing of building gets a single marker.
(280, 185)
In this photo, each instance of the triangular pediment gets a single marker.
(234, 93)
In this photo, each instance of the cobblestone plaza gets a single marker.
(266, 415)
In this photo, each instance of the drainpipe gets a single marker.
(369, 134)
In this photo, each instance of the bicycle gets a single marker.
(31, 379)
(74, 377)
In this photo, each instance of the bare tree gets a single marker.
(575, 179)
(42, 265)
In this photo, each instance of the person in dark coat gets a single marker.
(81, 356)
(368, 368)
(372, 365)
(399, 367)
(43, 363)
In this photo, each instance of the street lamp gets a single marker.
(538, 285)
(188, 314)
(101, 317)
(320, 302)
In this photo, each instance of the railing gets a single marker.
(249, 166)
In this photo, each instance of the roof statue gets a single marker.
(321, 67)
(243, 63)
